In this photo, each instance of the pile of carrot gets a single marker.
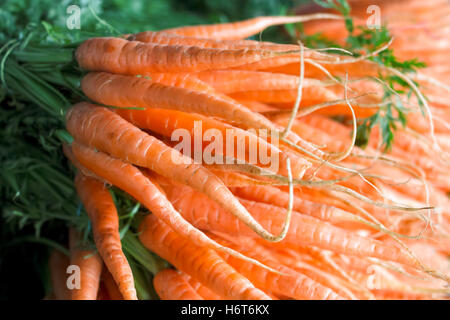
(333, 221)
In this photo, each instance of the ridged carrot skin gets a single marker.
(201, 263)
(58, 263)
(110, 285)
(170, 285)
(121, 56)
(141, 187)
(182, 80)
(166, 122)
(102, 212)
(90, 266)
(386, 294)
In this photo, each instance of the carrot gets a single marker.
(58, 263)
(304, 230)
(389, 294)
(102, 292)
(143, 189)
(199, 262)
(118, 55)
(102, 212)
(266, 87)
(257, 106)
(103, 129)
(110, 285)
(313, 272)
(282, 64)
(274, 196)
(170, 285)
(290, 283)
(235, 179)
(137, 91)
(183, 80)
(174, 39)
(230, 81)
(242, 29)
(166, 122)
(90, 267)
(290, 65)
(140, 92)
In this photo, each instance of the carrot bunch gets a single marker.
(331, 221)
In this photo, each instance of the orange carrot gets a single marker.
(389, 294)
(274, 196)
(183, 80)
(110, 285)
(242, 29)
(58, 263)
(230, 81)
(103, 129)
(137, 91)
(312, 95)
(140, 92)
(313, 272)
(199, 262)
(290, 283)
(90, 268)
(174, 39)
(170, 285)
(257, 106)
(102, 212)
(304, 230)
(203, 291)
(102, 294)
(266, 87)
(235, 179)
(118, 55)
(166, 122)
